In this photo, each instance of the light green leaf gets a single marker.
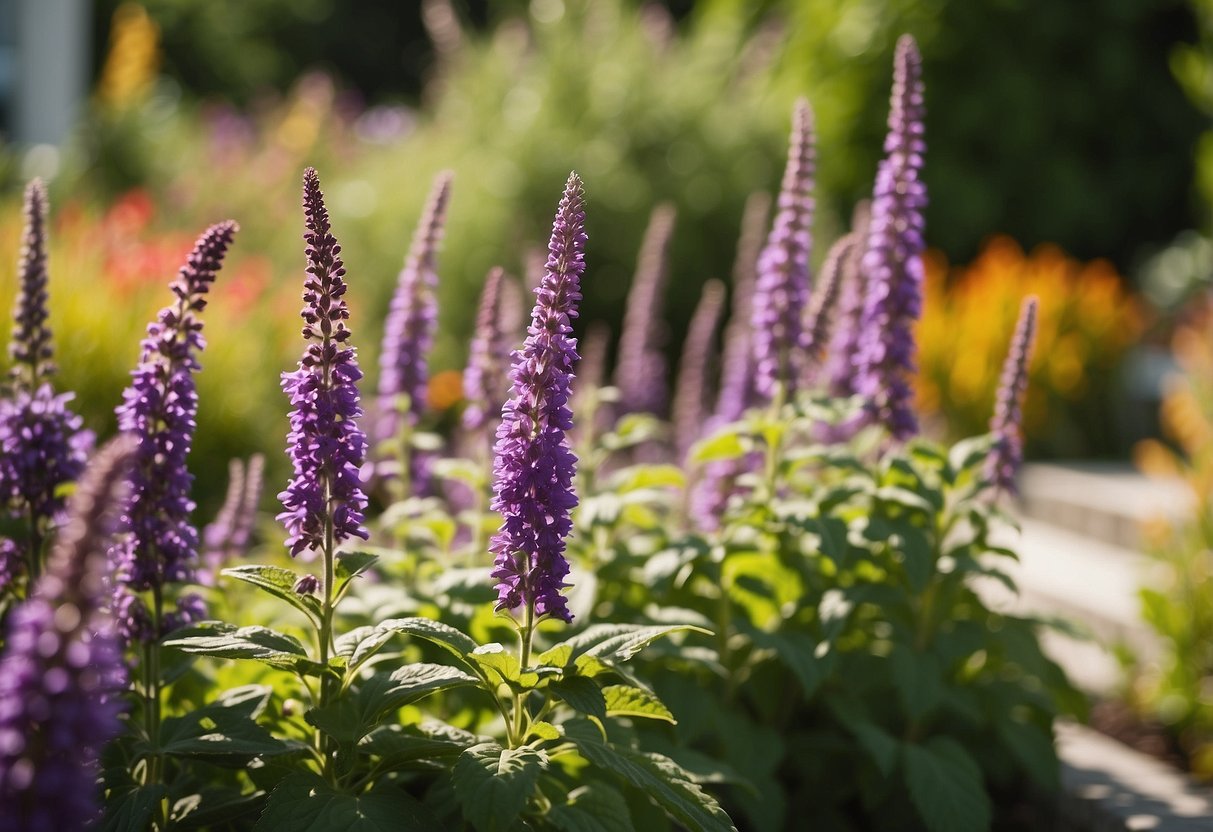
(436, 632)
(946, 786)
(278, 582)
(494, 784)
(620, 642)
(625, 700)
(545, 731)
(724, 445)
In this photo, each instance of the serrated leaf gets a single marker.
(620, 642)
(946, 786)
(132, 810)
(658, 776)
(594, 807)
(305, 803)
(360, 644)
(278, 582)
(581, 694)
(397, 744)
(545, 731)
(625, 700)
(435, 632)
(494, 784)
(496, 658)
(354, 715)
(221, 640)
(224, 732)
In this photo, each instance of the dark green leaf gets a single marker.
(220, 640)
(278, 582)
(225, 732)
(660, 777)
(918, 681)
(917, 556)
(581, 694)
(132, 810)
(352, 564)
(305, 803)
(798, 652)
(595, 807)
(398, 745)
(1032, 748)
(946, 786)
(436, 632)
(494, 784)
(360, 644)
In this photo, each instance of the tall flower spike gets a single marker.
(30, 348)
(640, 372)
(159, 544)
(488, 356)
(246, 515)
(325, 445)
(534, 466)
(227, 536)
(737, 378)
(839, 370)
(821, 305)
(1006, 455)
(408, 331)
(691, 394)
(781, 290)
(893, 260)
(62, 674)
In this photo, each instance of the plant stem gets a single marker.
(152, 687)
(326, 624)
(524, 659)
(35, 548)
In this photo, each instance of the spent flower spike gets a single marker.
(781, 289)
(30, 348)
(893, 259)
(158, 542)
(325, 444)
(534, 466)
(1006, 455)
(62, 673)
(839, 369)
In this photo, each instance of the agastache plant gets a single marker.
(534, 466)
(893, 259)
(736, 376)
(839, 370)
(818, 318)
(640, 372)
(781, 290)
(62, 673)
(227, 537)
(407, 338)
(488, 356)
(1006, 455)
(42, 443)
(159, 543)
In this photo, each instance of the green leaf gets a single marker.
(723, 445)
(280, 583)
(225, 732)
(352, 564)
(798, 652)
(946, 786)
(436, 632)
(493, 784)
(503, 663)
(1032, 748)
(397, 745)
(917, 556)
(305, 803)
(620, 642)
(969, 453)
(918, 681)
(625, 700)
(594, 807)
(544, 731)
(352, 717)
(133, 810)
(640, 477)
(360, 644)
(658, 776)
(221, 640)
(581, 694)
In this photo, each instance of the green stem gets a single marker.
(152, 689)
(326, 627)
(524, 659)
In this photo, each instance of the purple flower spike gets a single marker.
(409, 329)
(534, 466)
(1006, 455)
(62, 675)
(839, 370)
(159, 544)
(640, 373)
(691, 394)
(893, 260)
(30, 347)
(736, 376)
(325, 445)
(488, 356)
(781, 290)
(227, 537)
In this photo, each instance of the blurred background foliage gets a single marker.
(1053, 123)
